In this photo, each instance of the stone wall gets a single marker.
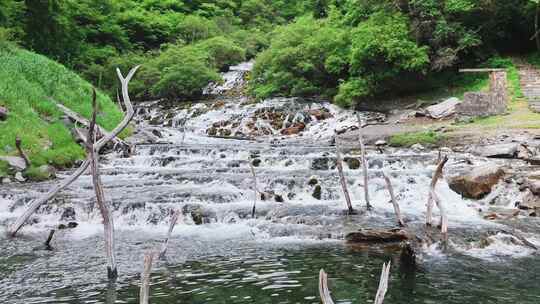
(486, 103)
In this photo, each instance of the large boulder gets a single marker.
(15, 162)
(500, 150)
(444, 109)
(478, 182)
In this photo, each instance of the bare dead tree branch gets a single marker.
(324, 292)
(364, 161)
(18, 144)
(144, 292)
(35, 204)
(49, 239)
(108, 224)
(383, 284)
(393, 200)
(255, 191)
(172, 223)
(436, 176)
(339, 166)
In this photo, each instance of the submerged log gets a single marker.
(377, 236)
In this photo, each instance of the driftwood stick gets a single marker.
(393, 200)
(339, 165)
(174, 220)
(364, 161)
(442, 210)
(255, 191)
(49, 239)
(144, 292)
(383, 284)
(436, 176)
(35, 204)
(108, 224)
(323, 288)
(18, 143)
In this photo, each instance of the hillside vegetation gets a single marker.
(350, 51)
(29, 80)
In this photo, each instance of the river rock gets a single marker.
(322, 163)
(142, 137)
(478, 182)
(68, 214)
(317, 192)
(375, 236)
(417, 148)
(444, 109)
(294, 129)
(15, 162)
(19, 177)
(6, 180)
(381, 143)
(3, 113)
(499, 150)
(529, 200)
(535, 160)
(47, 172)
(352, 163)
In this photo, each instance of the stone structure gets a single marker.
(488, 103)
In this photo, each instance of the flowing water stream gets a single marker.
(220, 254)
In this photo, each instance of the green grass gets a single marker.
(4, 169)
(28, 80)
(427, 138)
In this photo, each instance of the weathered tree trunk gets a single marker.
(174, 220)
(339, 165)
(144, 292)
(364, 161)
(393, 200)
(108, 224)
(35, 204)
(436, 176)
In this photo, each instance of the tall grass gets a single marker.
(28, 81)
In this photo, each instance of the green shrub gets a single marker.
(223, 52)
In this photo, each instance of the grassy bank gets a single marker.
(28, 80)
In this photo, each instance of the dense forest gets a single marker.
(345, 50)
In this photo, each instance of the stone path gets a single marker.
(530, 85)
